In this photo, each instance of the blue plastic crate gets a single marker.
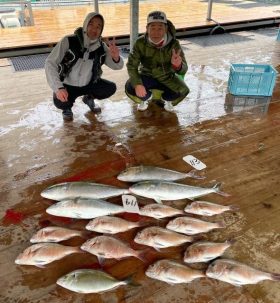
(278, 36)
(251, 79)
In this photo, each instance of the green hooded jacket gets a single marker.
(146, 59)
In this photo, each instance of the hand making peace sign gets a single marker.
(176, 59)
(113, 49)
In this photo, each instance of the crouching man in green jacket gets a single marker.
(157, 62)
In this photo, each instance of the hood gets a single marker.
(85, 24)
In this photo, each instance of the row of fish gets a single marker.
(169, 271)
(84, 208)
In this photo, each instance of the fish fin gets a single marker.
(40, 266)
(158, 200)
(216, 187)
(101, 260)
(234, 208)
(192, 174)
(275, 277)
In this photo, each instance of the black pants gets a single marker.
(101, 89)
(151, 83)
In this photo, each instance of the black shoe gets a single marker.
(89, 101)
(67, 114)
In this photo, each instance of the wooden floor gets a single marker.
(52, 25)
(239, 145)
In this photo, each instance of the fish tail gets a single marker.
(234, 207)
(145, 222)
(131, 281)
(217, 190)
(78, 250)
(231, 241)
(141, 255)
(275, 277)
(192, 174)
(221, 224)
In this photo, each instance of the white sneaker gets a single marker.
(168, 106)
(143, 105)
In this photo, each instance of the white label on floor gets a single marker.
(130, 204)
(194, 162)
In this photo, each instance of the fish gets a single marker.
(81, 208)
(71, 190)
(159, 211)
(192, 226)
(106, 247)
(55, 234)
(88, 281)
(111, 225)
(158, 237)
(44, 253)
(205, 251)
(172, 272)
(145, 173)
(204, 208)
(237, 273)
(163, 190)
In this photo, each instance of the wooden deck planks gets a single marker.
(52, 25)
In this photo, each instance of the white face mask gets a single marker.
(162, 41)
(93, 41)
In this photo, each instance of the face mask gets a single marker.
(161, 42)
(93, 41)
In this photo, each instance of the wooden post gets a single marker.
(209, 11)
(134, 21)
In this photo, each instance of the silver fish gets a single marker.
(158, 237)
(162, 190)
(55, 234)
(145, 173)
(237, 273)
(205, 251)
(105, 247)
(83, 208)
(159, 211)
(192, 226)
(204, 208)
(44, 253)
(89, 281)
(71, 190)
(111, 225)
(172, 272)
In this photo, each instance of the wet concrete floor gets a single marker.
(237, 138)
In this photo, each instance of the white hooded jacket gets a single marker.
(81, 73)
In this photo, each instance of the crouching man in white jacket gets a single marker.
(74, 67)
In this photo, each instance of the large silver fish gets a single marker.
(205, 251)
(89, 281)
(204, 208)
(172, 272)
(105, 247)
(237, 273)
(83, 208)
(192, 226)
(111, 225)
(44, 253)
(162, 190)
(55, 234)
(158, 237)
(159, 211)
(145, 173)
(71, 190)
